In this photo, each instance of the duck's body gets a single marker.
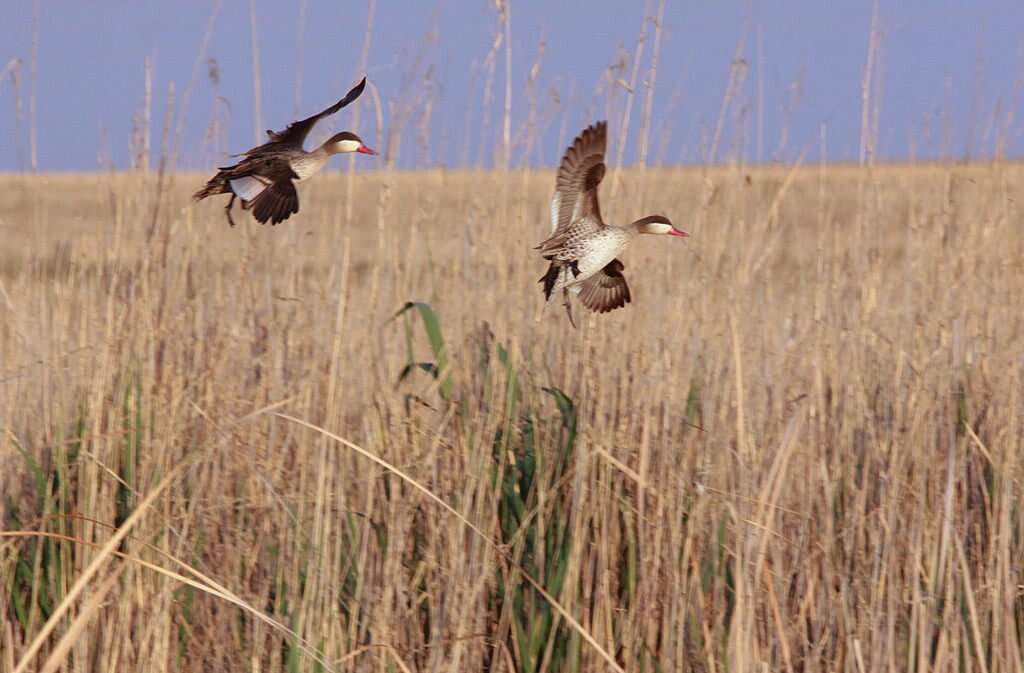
(582, 250)
(265, 179)
(588, 248)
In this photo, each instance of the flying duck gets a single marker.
(265, 179)
(582, 250)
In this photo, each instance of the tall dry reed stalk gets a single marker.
(147, 115)
(652, 77)
(361, 67)
(504, 8)
(627, 111)
(300, 55)
(257, 77)
(194, 77)
(33, 118)
(13, 70)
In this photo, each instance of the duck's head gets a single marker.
(346, 142)
(657, 224)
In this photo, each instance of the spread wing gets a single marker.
(579, 174)
(607, 289)
(265, 185)
(295, 134)
(275, 203)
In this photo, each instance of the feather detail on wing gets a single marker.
(568, 243)
(296, 132)
(579, 175)
(275, 203)
(556, 206)
(606, 290)
(294, 135)
(575, 213)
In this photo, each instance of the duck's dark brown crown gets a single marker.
(345, 135)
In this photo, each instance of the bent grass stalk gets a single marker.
(469, 524)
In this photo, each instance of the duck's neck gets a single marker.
(311, 163)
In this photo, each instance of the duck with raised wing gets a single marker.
(265, 179)
(582, 250)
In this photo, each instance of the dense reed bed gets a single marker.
(798, 449)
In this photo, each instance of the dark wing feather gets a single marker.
(268, 167)
(579, 175)
(549, 278)
(276, 203)
(296, 132)
(273, 166)
(607, 289)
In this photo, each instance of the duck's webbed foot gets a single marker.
(227, 210)
(568, 306)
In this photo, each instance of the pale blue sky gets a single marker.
(952, 73)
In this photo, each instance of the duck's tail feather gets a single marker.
(216, 185)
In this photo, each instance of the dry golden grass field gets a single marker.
(799, 449)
